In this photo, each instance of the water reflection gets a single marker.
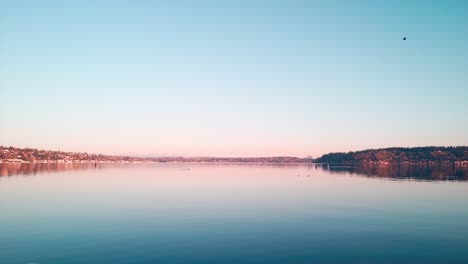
(405, 171)
(389, 171)
(12, 169)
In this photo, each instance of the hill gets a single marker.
(399, 155)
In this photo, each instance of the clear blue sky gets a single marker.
(233, 78)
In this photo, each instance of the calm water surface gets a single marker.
(163, 213)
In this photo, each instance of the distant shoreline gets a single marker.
(333, 165)
(385, 156)
(158, 162)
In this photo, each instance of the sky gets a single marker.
(233, 78)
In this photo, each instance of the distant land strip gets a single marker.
(436, 155)
(419, 155)
(30, 155)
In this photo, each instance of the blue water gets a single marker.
(163, 213)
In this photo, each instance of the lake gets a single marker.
(232, 213)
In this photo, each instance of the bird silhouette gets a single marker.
(404, 38)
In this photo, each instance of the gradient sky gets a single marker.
(233, 78)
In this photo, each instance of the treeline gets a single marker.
(399, 155)
(279, 159)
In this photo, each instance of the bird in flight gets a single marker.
(404, 38)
